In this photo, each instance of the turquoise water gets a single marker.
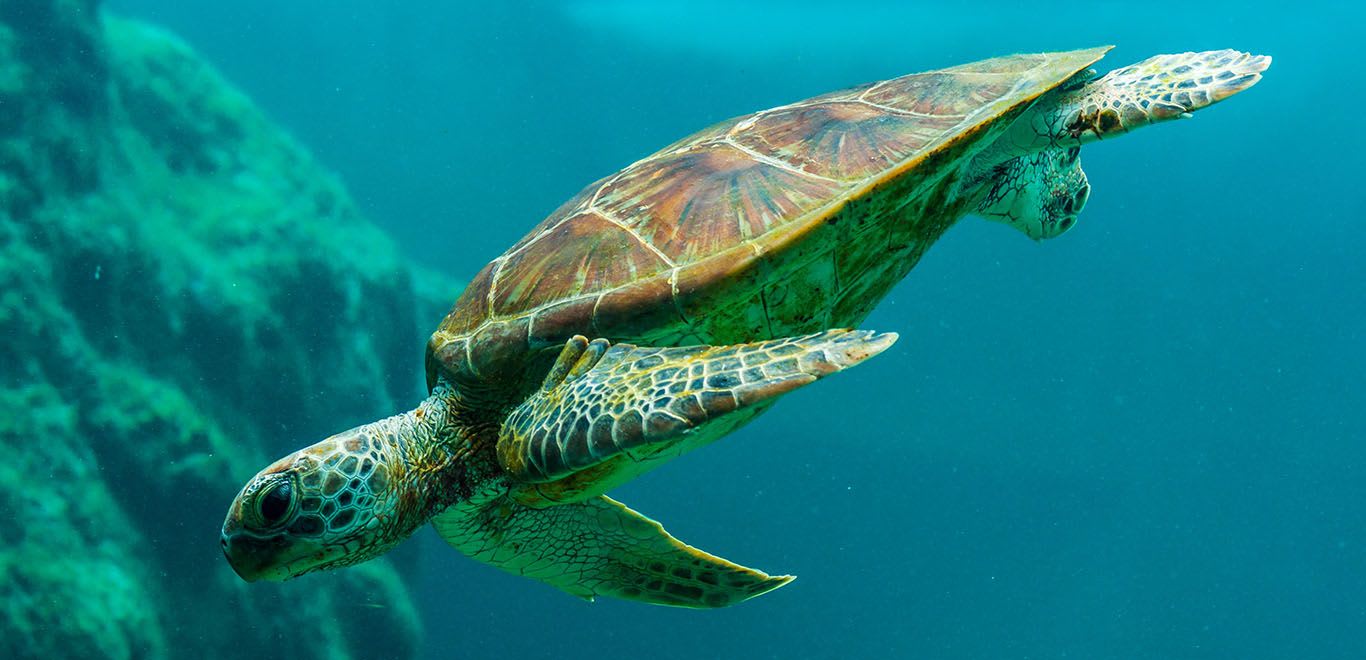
(1145, 439)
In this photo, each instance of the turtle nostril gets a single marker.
(1079, 200)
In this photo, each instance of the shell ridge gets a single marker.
(605, 215)
(493, 284)
(777, 162)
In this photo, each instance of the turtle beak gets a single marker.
(273, 557)
(249, 558)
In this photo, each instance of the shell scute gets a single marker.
(695, 203)
(542, 271)
(580, 201)
(846, 94)
(553, 323)
(1010, 64)
(938, 94)
(842, 139)
(492, 344)
(643, 304)
(472, 308)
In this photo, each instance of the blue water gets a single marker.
(1145, 439)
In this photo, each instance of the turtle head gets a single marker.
(336, 503)
(1039, 193)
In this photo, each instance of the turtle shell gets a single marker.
(786, 221)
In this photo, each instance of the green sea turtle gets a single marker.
(709, 276)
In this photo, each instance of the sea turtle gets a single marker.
(708, 276)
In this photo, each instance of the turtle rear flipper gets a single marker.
(599, 547)
(632, 404)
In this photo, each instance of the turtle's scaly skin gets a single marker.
(370, 486)
(713, 277)
(625, 398)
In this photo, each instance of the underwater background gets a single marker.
(228, 235)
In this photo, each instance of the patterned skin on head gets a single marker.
(1039, 194)
(341, 501)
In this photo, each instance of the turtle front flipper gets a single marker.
(630, 403)
(1160, 88)
(599, 547)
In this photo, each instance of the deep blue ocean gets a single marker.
(1144, 439)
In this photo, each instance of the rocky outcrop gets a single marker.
(184, 295)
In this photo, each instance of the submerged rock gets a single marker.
(184, 295)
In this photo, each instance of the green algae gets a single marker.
(184, 294)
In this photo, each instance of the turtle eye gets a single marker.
(274, 504)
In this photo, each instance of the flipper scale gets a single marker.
(611, 400)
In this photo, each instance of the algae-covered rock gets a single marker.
(184, 294)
